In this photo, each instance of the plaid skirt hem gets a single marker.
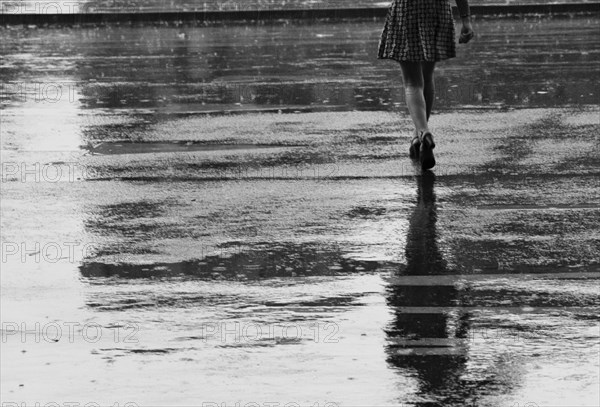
(418, 30)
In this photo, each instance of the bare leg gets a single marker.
(412, 76)
(428, 85)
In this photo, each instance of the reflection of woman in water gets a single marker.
(422, 253)
(418, 33)
(419, 339)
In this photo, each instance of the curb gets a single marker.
(266, 15)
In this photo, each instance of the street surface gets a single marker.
(229, 214)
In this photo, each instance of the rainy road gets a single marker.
(222, 215)
(120, 6)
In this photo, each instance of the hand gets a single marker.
(466, 33)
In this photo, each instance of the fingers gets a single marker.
(466, 37)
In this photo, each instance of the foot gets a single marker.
(413, 150)
(426, 151)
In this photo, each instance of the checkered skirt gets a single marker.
(418, 30)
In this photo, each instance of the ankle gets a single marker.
(427, 138)
(421, 133)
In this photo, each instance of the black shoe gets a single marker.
(426, 151)
(413, 150)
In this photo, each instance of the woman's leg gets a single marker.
(428, 85)
(412, 76)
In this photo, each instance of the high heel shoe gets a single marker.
(413, 150)
(426, 151)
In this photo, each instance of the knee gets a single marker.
(413, 87)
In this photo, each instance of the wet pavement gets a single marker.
(120, 6)
(228, 214)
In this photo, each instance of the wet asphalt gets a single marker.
(234, 213)
(135, 6)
